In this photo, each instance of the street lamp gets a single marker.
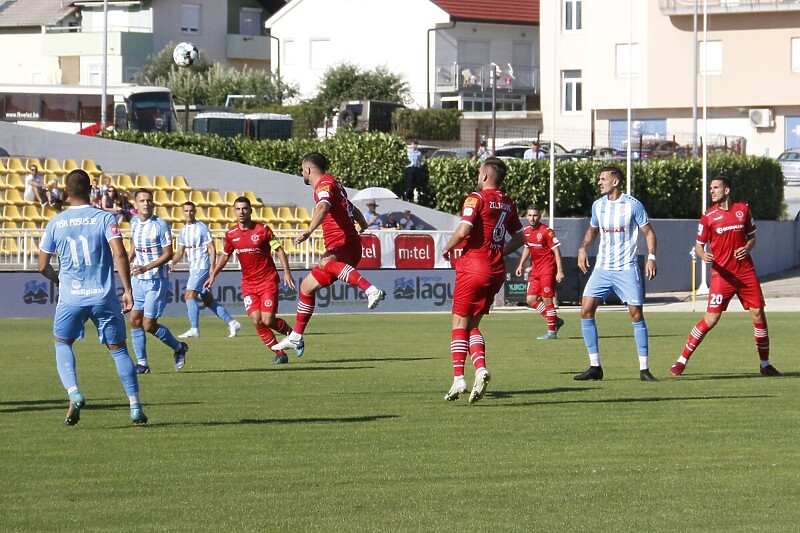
(104, 73)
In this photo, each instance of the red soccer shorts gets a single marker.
(474, 293)
(542, 283)
(263, 298)
(722, 289)
(348, 253)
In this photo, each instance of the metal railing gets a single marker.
(470, 77)
(687, 7)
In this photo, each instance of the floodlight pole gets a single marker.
(703, 287)
(493, 79)
(104, 73)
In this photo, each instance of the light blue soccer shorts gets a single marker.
(626, 283)
(70, 321)
(150, 295)
(196, 280)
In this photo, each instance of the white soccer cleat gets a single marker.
(289, 344)
(193, 332)
(234, 328)
(479, 388)
(459, 387)
(374, 297)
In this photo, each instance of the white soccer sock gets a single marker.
(643, 362)
(594, 359)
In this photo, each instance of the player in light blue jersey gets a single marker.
(88, 244)
(617, 217)
(151, 250)
(195, 241)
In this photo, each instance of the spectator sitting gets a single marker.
(111, 202)
(392, 222)
(407, 222)
(54, 194)
(34, 187)
(372, 216)
(95, 194)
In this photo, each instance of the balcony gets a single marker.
(687, 7)
(475, 78)
(256, 47)
(90, 43)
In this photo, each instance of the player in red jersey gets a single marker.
(253, 243)
(542, 246)
(727, 227)
(334, 212)
(487, 216)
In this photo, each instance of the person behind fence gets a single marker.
(534, 152)
(727, 228)
(372, 217)
(407, 222)
(617, 217)
(483, 152)
(88, 291)
(413, 174)
(391, 222)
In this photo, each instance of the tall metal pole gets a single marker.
(629, 165)
(553, 105)
(103, 74)
(493, 80)
(695, 147)
(703, 288)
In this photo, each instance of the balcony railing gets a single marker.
(687, 7)
(472, 77)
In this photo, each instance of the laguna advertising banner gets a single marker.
(28, 294)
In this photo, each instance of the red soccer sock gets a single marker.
(551, 317)
(268, 337)
(282, 327)
(762, 340)
(540, 308)
(305, 308)
(695, 338)
(458, 350)
(477, 349)
(348, 274)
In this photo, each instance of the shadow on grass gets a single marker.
(92, 404)
(499, 394)
(380, 360)
(631, 400)
(281, 421)
(275, 368)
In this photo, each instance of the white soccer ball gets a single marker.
(185, 54)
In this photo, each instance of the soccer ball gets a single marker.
(185, 54)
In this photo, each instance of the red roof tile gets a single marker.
(502, 11)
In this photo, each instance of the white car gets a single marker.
(790, 165)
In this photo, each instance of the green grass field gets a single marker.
(355, 436)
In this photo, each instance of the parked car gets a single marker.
(604, 153)
(544, 145)
(651, 148)
(452, 152)
(790, 166)
(427, 149)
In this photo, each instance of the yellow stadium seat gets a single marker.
(34, 161)
(201, 214)
(230, 214)
(301, 226)
(14, 164)
(12, 213)
(8, 246)
(255, 202)
(199, 198)
(14, 181)
(179, 182)
(163, 198)
(125, 225)
(164, 213)
(29, 224)
(162, 183)
(268, 215)
(301, 214)
(230, 197)
(177, 225)
(49, 212)
(214, 198)
(10, 228)
(124, 181)
(32, 213)
(91, 167)
(214, 226)
(53, 166)
(3, 168)
(285, 214)
(215, 214)
(177, 213)
(70, 165)
(179, 197)
(143, 182)
(285, 226)
(14, 196)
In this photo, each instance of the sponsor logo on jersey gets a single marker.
(734, 227)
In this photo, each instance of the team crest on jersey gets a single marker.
(254, 237)
(538, 236)
(267, 303)
(739, 215)
(114, 229)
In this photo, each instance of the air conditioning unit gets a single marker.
(761, 118)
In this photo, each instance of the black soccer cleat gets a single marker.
(593, 372)
(645, 375)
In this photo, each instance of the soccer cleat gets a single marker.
(137, 415)
(677, 369)
(479, 388)
(770, 371)
(593, 372)
(193, 332)
(76, 401)
(645, 375)
(234, 328)
(374, 298)
(290, 344)
(180, 356)
(459, 387)
(280, 359)
(142, 368)
(547, 336)
(559, 324)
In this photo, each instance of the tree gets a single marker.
(160, 64)
(347, 81)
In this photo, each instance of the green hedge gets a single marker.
(669, 188)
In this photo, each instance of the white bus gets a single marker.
(76, 108)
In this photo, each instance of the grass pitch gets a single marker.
(355, 435)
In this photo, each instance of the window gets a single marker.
(571, 15)
(571, 91)
(627, 57)
(319, 54)
(250, 21)
(190, 18)
(289, 52)
(60, 107)
(795, 54)
(710, 51)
